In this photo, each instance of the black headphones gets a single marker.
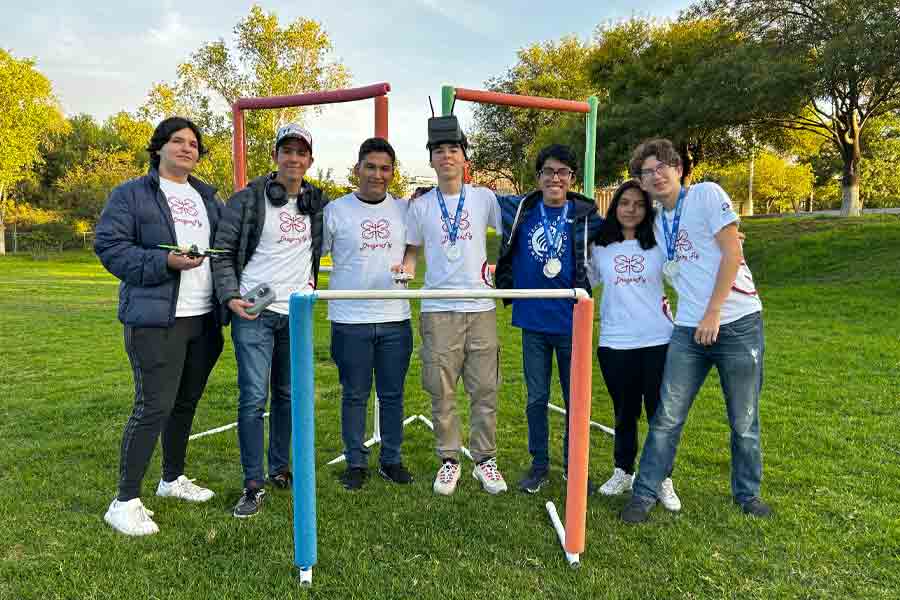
(276, 192)
(278, 197)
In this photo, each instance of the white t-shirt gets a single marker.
(706, 209)
(283, 258)
(195, 291)
(634, 312)
(364, 240)
(425, 227)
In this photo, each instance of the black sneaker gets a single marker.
(249, 503)
(591, 486)
(354, 478)
(637, 510)
(755, 507)
(396, 472)
(283, 480)
(534, 480)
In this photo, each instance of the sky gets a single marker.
(103, 57)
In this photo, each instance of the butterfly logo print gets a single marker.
(291, 223)
(376, 230)
(182, 206)
(629, 264)
(463, 222)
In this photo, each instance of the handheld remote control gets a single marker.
(261, 296)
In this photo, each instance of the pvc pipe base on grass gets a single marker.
(305, 577)
(572, 558)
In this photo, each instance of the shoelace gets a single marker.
(142, 513)
(448, 469)
(489, 470)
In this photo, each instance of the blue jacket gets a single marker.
(516, 209)
(134, 221)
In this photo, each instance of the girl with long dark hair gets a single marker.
(635, 326)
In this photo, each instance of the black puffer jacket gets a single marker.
(243, 218)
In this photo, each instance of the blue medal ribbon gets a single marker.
(671, 235)
(552, 240)
(452, 227)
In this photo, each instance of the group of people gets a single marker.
(274, 232)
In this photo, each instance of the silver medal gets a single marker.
(552, 268)
(670, 270)
(453, 252)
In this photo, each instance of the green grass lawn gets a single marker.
(831, 291)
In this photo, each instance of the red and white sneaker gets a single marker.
(487, 473)
(447, 477)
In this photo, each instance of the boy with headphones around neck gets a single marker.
(272, 234)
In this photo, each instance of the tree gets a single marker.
(506, 140)
(84, 188)
(849, 54)
(692, 81)
(268, 60)
(29, 114)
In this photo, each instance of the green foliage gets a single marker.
(506, 140)
(691, 81)
(779, 185)
(29, 114)
(324, 180)
(83, 188)
(266, 58)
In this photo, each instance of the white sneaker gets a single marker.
(619, 483)
(185, 489)
(130, 518)
(487, 473)
(667, 496)
(447, 476)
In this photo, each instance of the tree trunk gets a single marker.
(2, 219)
(851, 206)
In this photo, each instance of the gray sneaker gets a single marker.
(637, 510)
(248, 505)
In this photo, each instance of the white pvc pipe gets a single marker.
(306, 577)
(370, 442)
(445, 294)
(572, 558)
(462, 449)
(217, 429)
(595, 424)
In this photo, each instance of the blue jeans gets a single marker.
(738, 356)
(263, 352)
(359, 350)
(537, 364)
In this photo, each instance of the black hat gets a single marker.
(445, 130)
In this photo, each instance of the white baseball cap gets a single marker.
(293, 130)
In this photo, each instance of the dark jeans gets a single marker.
(359, 351)
(633, 378)
(537, 364)
(170, 367)
(738, 356)
(263, 352)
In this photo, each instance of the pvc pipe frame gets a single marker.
(377, 91)
(449, 93)
(303, 400)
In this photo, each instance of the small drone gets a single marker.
(191, 251)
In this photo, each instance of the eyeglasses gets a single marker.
(657, 170)
(563, 173)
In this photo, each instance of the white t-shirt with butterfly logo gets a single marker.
(195, 290)
(634, 312)
(706, 209)
(425, 227)
(283, 257)
(364, 240)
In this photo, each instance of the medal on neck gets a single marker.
(553, 266)
(671, 267)
(453, 251)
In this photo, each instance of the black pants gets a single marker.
(171, 366)
(633, 378)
